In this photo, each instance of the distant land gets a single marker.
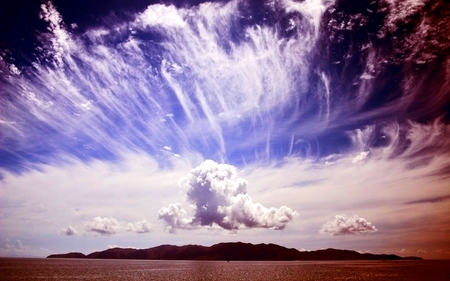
(233, 251)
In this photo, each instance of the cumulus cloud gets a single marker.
(15, 245)
(220, 197)
(15, 248)
(103, 226)
(163, 15)
(110, 226)
(10, 247)
(343, 225)
(175, 217)
(69, 231)
(142, 226)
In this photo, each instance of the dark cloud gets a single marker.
(220, 197)
(343, 225)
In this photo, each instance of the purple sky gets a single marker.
(309, 124)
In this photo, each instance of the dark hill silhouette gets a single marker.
(229, 251)
(69, 256)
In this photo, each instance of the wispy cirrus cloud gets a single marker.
(61, 38)
(430, 200)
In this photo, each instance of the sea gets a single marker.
(110, 270)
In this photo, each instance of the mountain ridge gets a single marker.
(238, 251)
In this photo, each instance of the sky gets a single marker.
(310, 124)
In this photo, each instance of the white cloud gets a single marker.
(313, 9)
(61, 38)
(220, 197)
(175, 217)
(103, 226)
(167, 16)
(360, 157)
(111, 246)
(14, 69)
(142, 226)
(109, 226)
(343, 225)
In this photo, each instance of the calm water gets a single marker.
(76, 269)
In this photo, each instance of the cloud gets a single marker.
(112, 246)
(61, 39)
(174, 216)
(142, 226)
(15, 245)
(69, 231)
(422, 252)
(343, 225)
(15, 248)
(244, 89)
(360, 157)
(109, 226)
(161, 15)
(436, 199)
(12, 248)
(103, 226)
(220, 197)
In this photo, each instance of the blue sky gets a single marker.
(310, 124)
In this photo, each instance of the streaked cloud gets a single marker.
(61, 39)
(430, 200)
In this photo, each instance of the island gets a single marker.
(232, 251)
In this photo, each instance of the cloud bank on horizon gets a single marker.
(327, 107)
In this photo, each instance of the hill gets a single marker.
(229, 251)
